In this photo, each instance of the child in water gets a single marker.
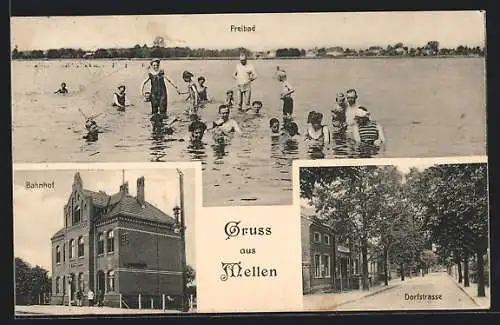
(274, 125)
(92, 130)
(120, 99)
(197, 129)
(229, 98)
(256, 106)
(62, 90)
(201, 89)
(291, 131)
(317, 133)
(192, 99)
(286, 94)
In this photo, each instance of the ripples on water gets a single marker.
(254, 168)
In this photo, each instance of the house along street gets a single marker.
(433, 291)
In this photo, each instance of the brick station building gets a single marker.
(120, 244)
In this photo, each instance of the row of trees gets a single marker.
(32, 283)
(161, 51)
(405, 215)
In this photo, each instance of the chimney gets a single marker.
(124, 188)
(140, 190)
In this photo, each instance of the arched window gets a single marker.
(58, 254)
(80, 281)
(71, 248)
(58, 279)
(111, 241)
(111, 280)
(77, 215)
(81, 246)
(100, 244)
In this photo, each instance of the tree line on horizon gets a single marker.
(159, 50)
(435, 216)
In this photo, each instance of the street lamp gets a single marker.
(181, 228)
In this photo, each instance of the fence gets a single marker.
(163, 301)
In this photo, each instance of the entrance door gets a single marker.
(72, 286)
(101, 282)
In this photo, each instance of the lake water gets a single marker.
(428, 108)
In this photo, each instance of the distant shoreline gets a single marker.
(261, 59)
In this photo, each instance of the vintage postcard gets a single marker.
(99, 240)
(246, 94)
(394, 234)
(130, 132)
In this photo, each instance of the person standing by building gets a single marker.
(79, 297)
(100, 298)
(244, 75)
(90, 297)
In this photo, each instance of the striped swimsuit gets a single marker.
(368, 133)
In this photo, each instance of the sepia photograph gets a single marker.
(90, 241)
(247, 94)
(395, 234)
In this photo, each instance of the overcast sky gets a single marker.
(450, 28)
(38, 214)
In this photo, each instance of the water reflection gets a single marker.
(277, 158)
(159, 141)
(196, 150)
(315, 151)
(364, 150)
(219, 149)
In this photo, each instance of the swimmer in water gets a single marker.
(62, 90)
(224, 126)
(229, 98)
(92, 131)
(193, 100)
(292, 131)
(317, 133)
(339, 123)
(197, 129)
(119, 98)
(367, 131)
(256, 106)
(201, 89)
(274, 125)
(158, 93)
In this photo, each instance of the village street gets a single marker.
(445, 295)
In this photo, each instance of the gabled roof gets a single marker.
(99, 199)
(129, 206)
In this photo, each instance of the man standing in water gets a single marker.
(244, 75)
(350, 111)
(339, 117)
